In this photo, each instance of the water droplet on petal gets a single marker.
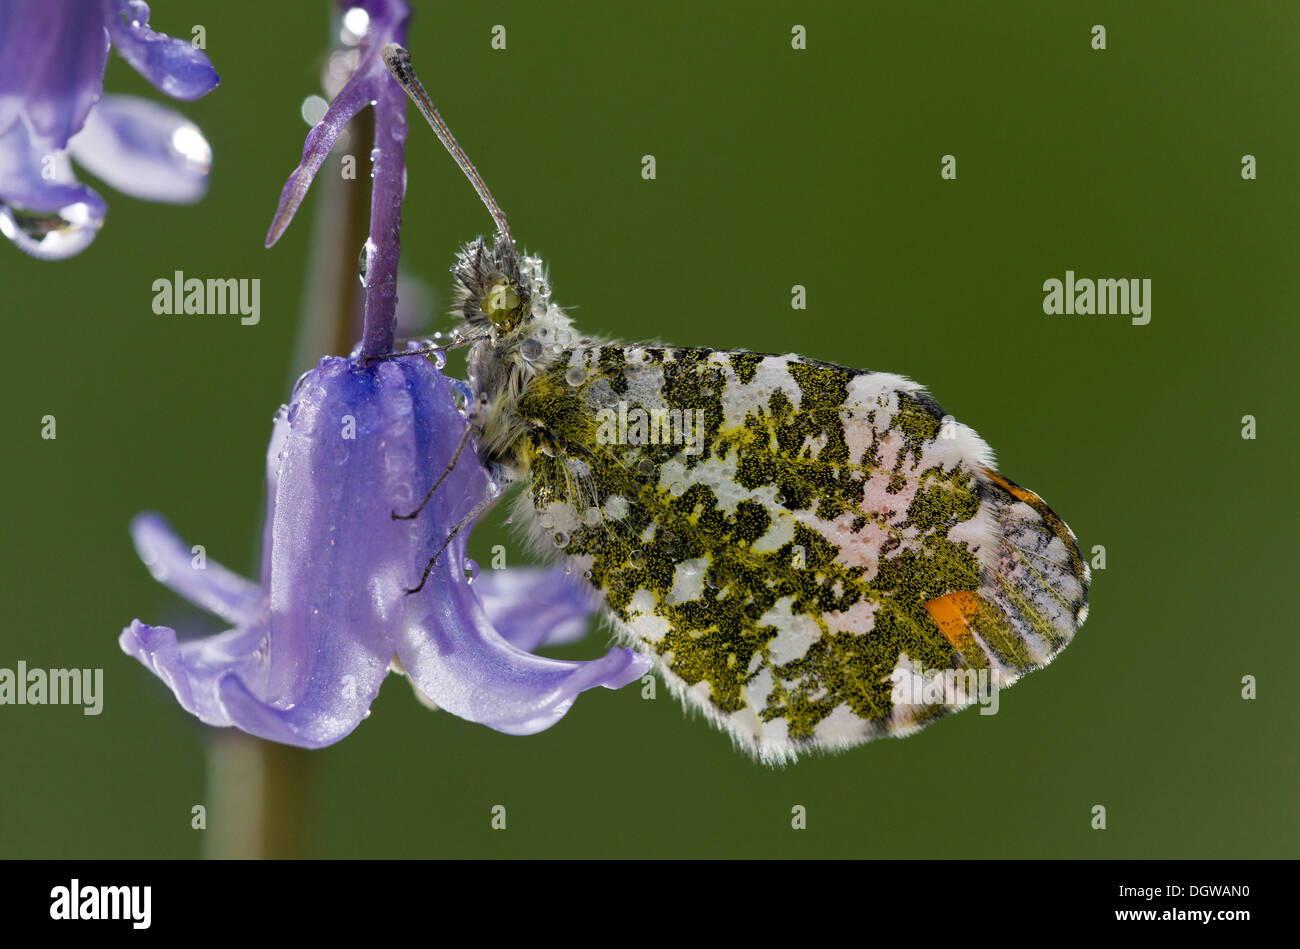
(191, 152)
(55, 236)
(471, 571)
(586, 574)
(636, 559)
(530, 348)
(561, 539)
(439, 358)
(592, 517)
(575, 376)
(646, 466)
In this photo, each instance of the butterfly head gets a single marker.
(497, 291)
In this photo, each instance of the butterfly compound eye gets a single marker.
(504, 305)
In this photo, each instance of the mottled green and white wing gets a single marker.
(815, 556)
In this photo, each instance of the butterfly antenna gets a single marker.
(398, 61)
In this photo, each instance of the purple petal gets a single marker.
(535, 606)
(456, 659)
(52, 57)
(219, 679)
(144, 149)
(194, 670)
(213, 587)
(339, 563)
(351, 100)
(52, 217)
(174, 66)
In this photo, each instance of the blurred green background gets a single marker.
(775, 167)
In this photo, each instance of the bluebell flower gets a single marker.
(362, 438)
(313, 641)
(53, 107)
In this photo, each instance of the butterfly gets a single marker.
(813, 555)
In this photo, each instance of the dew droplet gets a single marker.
(561, 539)
(592, 517)
(637, 559)
(439, 357)
(363, 260)
(531, 348)
(471, 571)
(677, 488)
(568, 570)
(55, 236)
(298, 385)
(646, 466)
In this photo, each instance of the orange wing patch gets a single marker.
(956, 615)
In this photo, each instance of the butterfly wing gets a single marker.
(815, 556)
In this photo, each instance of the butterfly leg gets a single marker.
(455, 457)
(479, 510)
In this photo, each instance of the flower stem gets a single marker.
(256, 798)
(386, 196)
